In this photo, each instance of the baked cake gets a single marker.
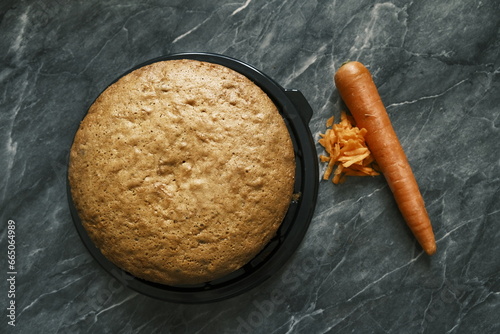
(182, 171)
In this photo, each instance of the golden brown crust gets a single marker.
(182, 171)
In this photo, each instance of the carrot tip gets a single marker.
(431, 250)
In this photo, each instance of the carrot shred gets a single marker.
(329, 122)
(347, 152)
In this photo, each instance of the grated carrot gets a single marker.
(347, 150)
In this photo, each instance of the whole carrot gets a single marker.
(356, 87)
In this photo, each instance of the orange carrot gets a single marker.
(356, 87)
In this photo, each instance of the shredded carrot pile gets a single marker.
(346, 148)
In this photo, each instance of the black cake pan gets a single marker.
(297, 113)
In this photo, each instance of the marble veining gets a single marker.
(358, 269)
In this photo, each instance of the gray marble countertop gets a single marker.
(358, 269)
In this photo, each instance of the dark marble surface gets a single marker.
(358, 269)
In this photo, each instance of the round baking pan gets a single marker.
(297, 113)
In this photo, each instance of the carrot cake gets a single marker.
(182, 171)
